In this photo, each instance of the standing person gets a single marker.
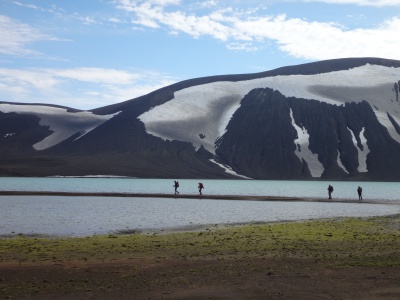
(359, 191)
(176, 185)
(330, 190)
(201, 186)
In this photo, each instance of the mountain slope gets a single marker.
(336, 119)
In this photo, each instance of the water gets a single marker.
(309, 189)
(84, 216)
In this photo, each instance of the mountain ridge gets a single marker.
(309, 121)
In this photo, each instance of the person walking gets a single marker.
(176, 185)
(200, 186)
(359, 191)
(330, 190)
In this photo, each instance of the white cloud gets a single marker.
(247, 30)
(26, 5)
(315, 40)
(237, 46)
(16, 36)
(27, 79)
(376, 3)
(217, 24)
(131, 4)
(87, 20)
(97, 75)
(115, 20)
(209, 3)
(164, 2)
(82, 88)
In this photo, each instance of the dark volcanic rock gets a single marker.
(270, 135)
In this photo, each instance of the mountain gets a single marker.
(329, 120)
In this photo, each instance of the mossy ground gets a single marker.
(368, 243)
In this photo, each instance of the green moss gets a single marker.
(351, 241)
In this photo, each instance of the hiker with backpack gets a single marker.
(359, 191)
(330, 190)
(201, 186)
(176, 185)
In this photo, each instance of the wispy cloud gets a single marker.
(83, 88)
(249, 31)
(27, 5)
(16, 37)
(96, 75)
(375, 3)
(115, 20)
(87, 20)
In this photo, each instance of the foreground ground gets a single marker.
(348, 258)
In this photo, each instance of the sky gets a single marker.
(93, 53)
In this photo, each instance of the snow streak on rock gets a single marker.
(339, 162)
(229, 170)
(303, 152)
(385, 121)
(362, 153)
(64, 124)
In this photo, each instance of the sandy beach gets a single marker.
(194, 196)
(350, 258)
(148, 195)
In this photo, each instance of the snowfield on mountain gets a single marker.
(64, 124)
(336, 119)
(208, 108)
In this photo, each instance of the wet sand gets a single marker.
(150, 195)
(196, 196)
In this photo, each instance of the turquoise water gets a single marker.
(312, 189)
(84, 216)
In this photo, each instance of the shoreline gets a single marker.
(188, 229)
(146, 230)
(196, 196)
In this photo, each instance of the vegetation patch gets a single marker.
(242, 259)
(361, 241)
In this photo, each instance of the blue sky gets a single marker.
(92, 53)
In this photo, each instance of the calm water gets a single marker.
(82, 216)
(313, 189)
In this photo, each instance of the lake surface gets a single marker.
(83, 216)
(312, 189)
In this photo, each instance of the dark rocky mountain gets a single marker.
(336, 119)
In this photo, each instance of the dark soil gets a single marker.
(247, 278)
(351, 258)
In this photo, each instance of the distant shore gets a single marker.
(195, 196)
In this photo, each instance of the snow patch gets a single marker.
(362, 154)
(208, 108)
(303, 152)
(64, 124)
(340, 164)
(9, 134)
(229, 170)
(205, 109)
(385, 121)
